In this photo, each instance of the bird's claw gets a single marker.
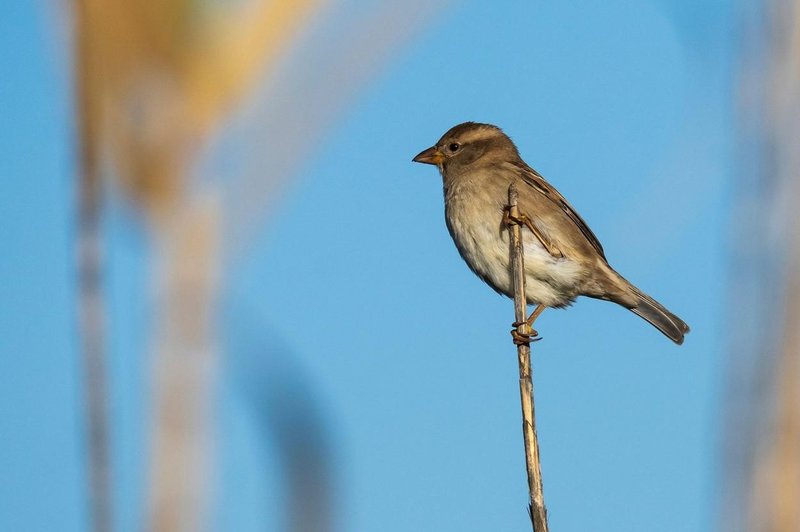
(522, 220)
(522, 338)
(509, 220)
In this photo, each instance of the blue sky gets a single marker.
(624, 106)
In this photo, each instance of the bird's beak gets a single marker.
(430, 156)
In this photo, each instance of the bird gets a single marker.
(563, 258)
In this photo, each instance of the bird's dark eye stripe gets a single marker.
(454, 146)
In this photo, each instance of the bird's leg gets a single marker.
(535, 314)
(533, 336)
(523, 219)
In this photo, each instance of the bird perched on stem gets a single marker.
(563, 258)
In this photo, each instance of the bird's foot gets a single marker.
(523, 220)
(520, 219)
(523, 338)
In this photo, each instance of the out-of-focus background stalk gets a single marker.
(762, 439)
(158, 82)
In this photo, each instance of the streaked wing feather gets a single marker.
(535, 180)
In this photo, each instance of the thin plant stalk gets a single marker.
(536, 508)
(762, 443)
(185, 368)
(91, 308)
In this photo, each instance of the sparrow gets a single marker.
(563, 257)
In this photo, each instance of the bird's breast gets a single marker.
(475, 221)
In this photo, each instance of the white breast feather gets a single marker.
(485, 247)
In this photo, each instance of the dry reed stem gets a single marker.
(155, 79)
(162, 76)
(91, 308)
(537, 510)
(779, 508)
(185, 366)
(764, 391)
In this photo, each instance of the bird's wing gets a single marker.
(535, 180)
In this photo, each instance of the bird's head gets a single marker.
(468, 143)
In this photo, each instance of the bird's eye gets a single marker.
(454, 146)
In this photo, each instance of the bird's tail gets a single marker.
(657, 315)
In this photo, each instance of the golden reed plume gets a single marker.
(154, 80)
(157, 80)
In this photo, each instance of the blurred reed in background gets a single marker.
(762, 440)
(158, 84)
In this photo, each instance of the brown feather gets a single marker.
(534, 179)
